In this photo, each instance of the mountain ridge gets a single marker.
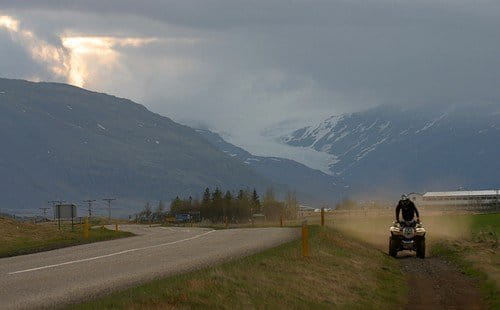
(411, 148)
(311, 184)
(63, 142)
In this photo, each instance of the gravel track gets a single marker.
(436, 284)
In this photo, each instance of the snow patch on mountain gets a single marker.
(369, 149)
(384, 126)
(352, 139)
(272, 147)
(430, 124)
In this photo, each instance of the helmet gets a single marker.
(404, 197)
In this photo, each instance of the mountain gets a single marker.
(410, 148)
(312, 185)
(63, 142)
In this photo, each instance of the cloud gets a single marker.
(251, 68)
(9, 23)
(86, 52)
(72, 58)
(52, 57)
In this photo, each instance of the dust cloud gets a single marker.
(373, 227)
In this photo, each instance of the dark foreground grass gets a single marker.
(340, 273)
(477, 256)
(18, 238)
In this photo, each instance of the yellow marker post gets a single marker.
(116, 226)
(226, 222)
(86, 229)
(305, 239)
(281, 220)
(322, 216)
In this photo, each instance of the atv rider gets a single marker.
(407, 208)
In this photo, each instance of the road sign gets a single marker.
(65, 211)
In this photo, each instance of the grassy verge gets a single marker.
(477, 255)
(220, 226)
(340, 273)
(18, 238)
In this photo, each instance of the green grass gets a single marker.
(480, 221)
(18, 238)
(340, 273)
(486, 228)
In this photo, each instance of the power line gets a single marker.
(109, 200)
(56, 202)
(89, 202)
(44, 210)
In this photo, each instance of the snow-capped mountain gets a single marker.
(413, 148)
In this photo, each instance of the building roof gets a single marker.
(463, 193)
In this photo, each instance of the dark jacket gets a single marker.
(408, 210)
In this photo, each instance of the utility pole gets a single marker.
(89, 202)
(44, 210)
(109, 200)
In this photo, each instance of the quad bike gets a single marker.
(407, 235)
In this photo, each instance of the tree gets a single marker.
(227, 208)
(291, 205)
(206, 202)
(206, 198)
(256, 206)
(159, 214)
(243, 206)
(272, 208)
(176, 205)
(145, 215)
(217, 207)
(269, 197)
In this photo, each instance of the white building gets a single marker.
(482, 199)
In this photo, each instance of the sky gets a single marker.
(252, 70)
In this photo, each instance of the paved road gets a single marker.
(77, 273)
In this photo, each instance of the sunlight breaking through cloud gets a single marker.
(71, 61)
(9, 23)
(55, 58)
(88, 51)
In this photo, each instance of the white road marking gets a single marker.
(168, 228)
(109, 255)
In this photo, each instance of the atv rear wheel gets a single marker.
(420, 245)
(393, 247)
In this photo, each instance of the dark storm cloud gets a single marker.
(227, 13)
(241, 66)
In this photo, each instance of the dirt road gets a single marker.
(435, 284)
